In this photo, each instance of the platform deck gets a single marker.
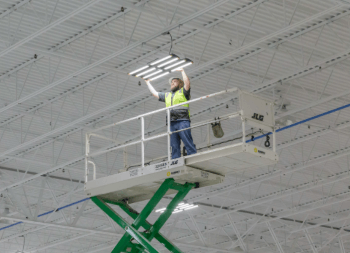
(204, 168)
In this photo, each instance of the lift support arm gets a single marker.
(152, 231)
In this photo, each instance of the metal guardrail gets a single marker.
(142, 140)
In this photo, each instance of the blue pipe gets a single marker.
(301, 122)
(14, 224)
(256, 138)
(43, 214)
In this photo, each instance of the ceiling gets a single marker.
(63, 72)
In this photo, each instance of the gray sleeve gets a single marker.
(161, 96)
(187, 93)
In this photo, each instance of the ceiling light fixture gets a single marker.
(161, 67)
(156, 77)
(183, 66)
(137, 70)
(166, 63)
(154, 73)
(145, 72)
(171, 66)
(163, 59)
(180, 207)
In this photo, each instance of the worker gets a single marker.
(179, 116)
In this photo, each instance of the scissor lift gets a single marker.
(178, 176)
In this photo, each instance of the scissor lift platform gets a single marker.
(141, 183)
(175, 176)
(232, 158)
(203, 169)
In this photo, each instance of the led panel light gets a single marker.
(156, 77)
(145, 72)
(154, 73)
(166, 63)
(137, 70)
(161, 67)
(171, 66)
(182, 66)
(163, 59)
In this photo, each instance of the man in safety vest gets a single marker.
(179, 116)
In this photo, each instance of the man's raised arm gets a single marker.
(151, 89)
(187, 84)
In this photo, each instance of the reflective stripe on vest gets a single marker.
(178, 98)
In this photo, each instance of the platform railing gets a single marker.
(142, 140)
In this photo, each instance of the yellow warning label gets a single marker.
(168, 173)
(255, 150)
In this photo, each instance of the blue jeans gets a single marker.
(185, 136)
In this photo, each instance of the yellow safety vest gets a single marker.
(178, 98)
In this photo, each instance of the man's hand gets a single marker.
(185, 78)
(180, 69)
(148, 82)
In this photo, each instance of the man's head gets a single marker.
(175, 84)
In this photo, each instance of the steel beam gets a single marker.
(285, 171)
(281, 36)
(275, 238)
(110, 56)
(312, 245)
(240, 239)
(49, 27)
(14, 8)
(50, 224)
(50, 245)
(153, 51)
(322, 224)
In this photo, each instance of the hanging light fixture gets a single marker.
(182, 66)
(154, 73)
(156, 77)
(167, 62)
(163, 59)
(161, 67)
(173, 65)
(145, 72)
(138, 70)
